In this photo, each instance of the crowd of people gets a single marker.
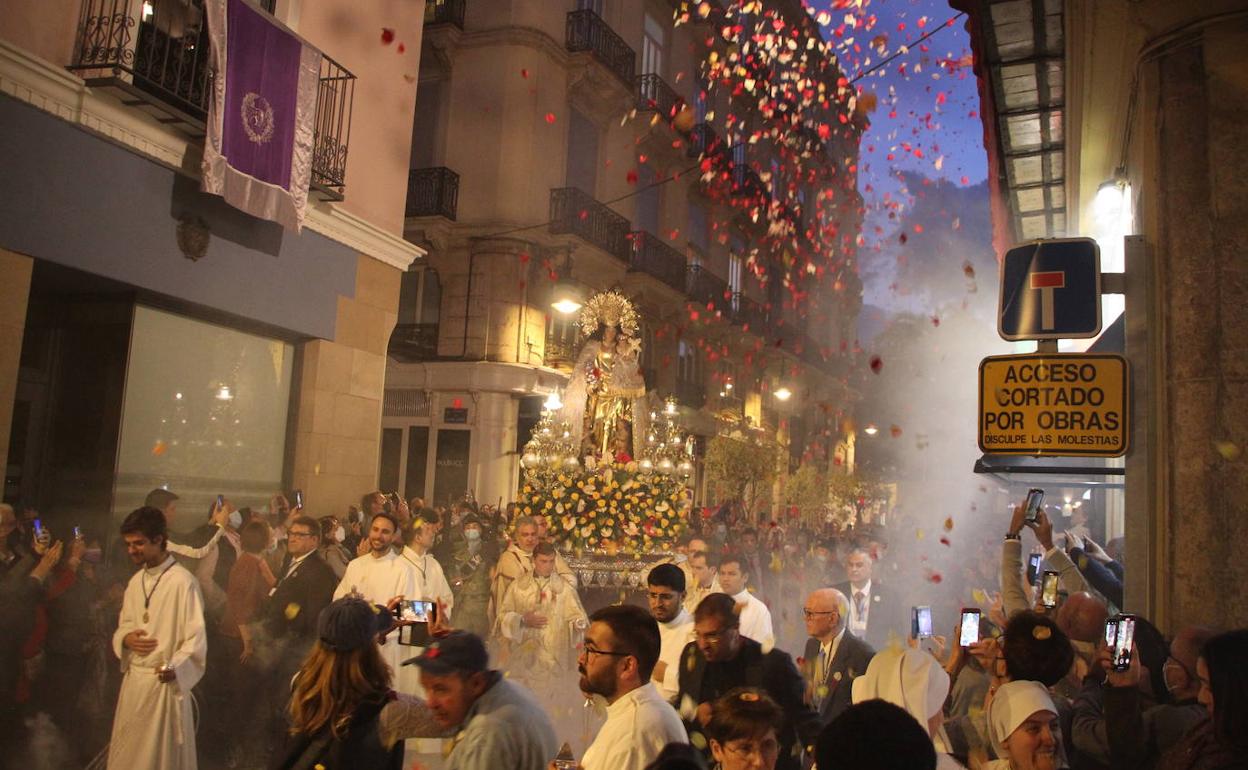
(248, 638)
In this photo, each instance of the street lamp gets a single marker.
(553, 403)
(783, 393)
(871, 429)
(567, 297)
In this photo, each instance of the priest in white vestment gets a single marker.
(755, 618)
(162, 645)
(431, 586)
(380, 575)
(517, 560)
(540, 622)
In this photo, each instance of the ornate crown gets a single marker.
(611, 309)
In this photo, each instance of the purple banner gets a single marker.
(261, 88)
(258, 151)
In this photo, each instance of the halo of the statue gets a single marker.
(611, 309)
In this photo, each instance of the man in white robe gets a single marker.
(380, 575)
(665, 592)
(755, 618)
(701, 579)
(430, 585)
(162, 645)
(540, 621)
(517, 560)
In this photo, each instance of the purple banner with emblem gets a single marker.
(258, 152)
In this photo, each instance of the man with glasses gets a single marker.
(617, 662)
(666, 592)
(833, 657)
(305, 586)
(720, 659)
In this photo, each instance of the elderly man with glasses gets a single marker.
(833, 657)
(720, 660)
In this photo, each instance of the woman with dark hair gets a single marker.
(343, 712)
(743, 731)
(1221, 741)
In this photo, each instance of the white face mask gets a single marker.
(236, 519)
(340, 534)
(472, 534)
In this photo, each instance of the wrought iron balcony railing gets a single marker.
(432, 192)
(706, 288)
(588, 32)
(559, 353)
(157, 54)
(655, 95)
(445, 12)
(704, 140)
(412, 343)
(655, 258)
(575, 211)
(749, 313)
(746, 183)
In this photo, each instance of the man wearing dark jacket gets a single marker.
(1138, 736)
(833, 657)
(874, 611)
(720, 659)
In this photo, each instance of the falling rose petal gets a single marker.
(968, 270)
(876, 364)
(935, 320)
(944, 540)
(631, 177)
(1228, 449)
(387, 36)
(935, 578)
(402, 48)
(524, 73)
(895, 431)
(949, 524)
(550, 117)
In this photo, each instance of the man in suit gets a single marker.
(305, 586)
(721, 659)
(833, 657)
(873, 610)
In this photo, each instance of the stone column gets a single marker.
(494, 463)
(1195, 187)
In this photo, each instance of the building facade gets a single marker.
(565, 148)
(154, 335)
(1122, 120)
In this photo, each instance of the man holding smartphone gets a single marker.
(1014, 596)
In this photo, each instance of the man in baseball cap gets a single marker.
(497, 722)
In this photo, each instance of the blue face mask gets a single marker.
(236, 519)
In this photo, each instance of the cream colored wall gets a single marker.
(15, 271)
(349, 31)
(46, 28)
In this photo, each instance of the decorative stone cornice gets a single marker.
(48, 87)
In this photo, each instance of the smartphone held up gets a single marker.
(1031, 508)
(1123, 632)
(968, 629)
(921, 622)
(1048, 589)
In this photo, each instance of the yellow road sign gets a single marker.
(1059, 404)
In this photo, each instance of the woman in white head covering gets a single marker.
(1022, 722)
(913, 680)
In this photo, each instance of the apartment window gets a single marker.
(420, 297)
(735, 268)
(597, 6)
(686, 363)
(697, 226)
(582, 152)
(653, 46)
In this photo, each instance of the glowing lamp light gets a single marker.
(566, 306)
(784, 394)
(871, 429)
(223, 393)
(553, 402)
(567, 297)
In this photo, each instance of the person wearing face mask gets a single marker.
(1138, 735)
(468, 571)
(1023, 725)
(332, 548)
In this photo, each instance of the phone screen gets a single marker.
(969, 631)
(921, 622)
(417, 610)
(220, 500)
(1111, 632)
(1048, 592)
(1035, 498)
(1122, 643)
(298, 498)
(1033, 567)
